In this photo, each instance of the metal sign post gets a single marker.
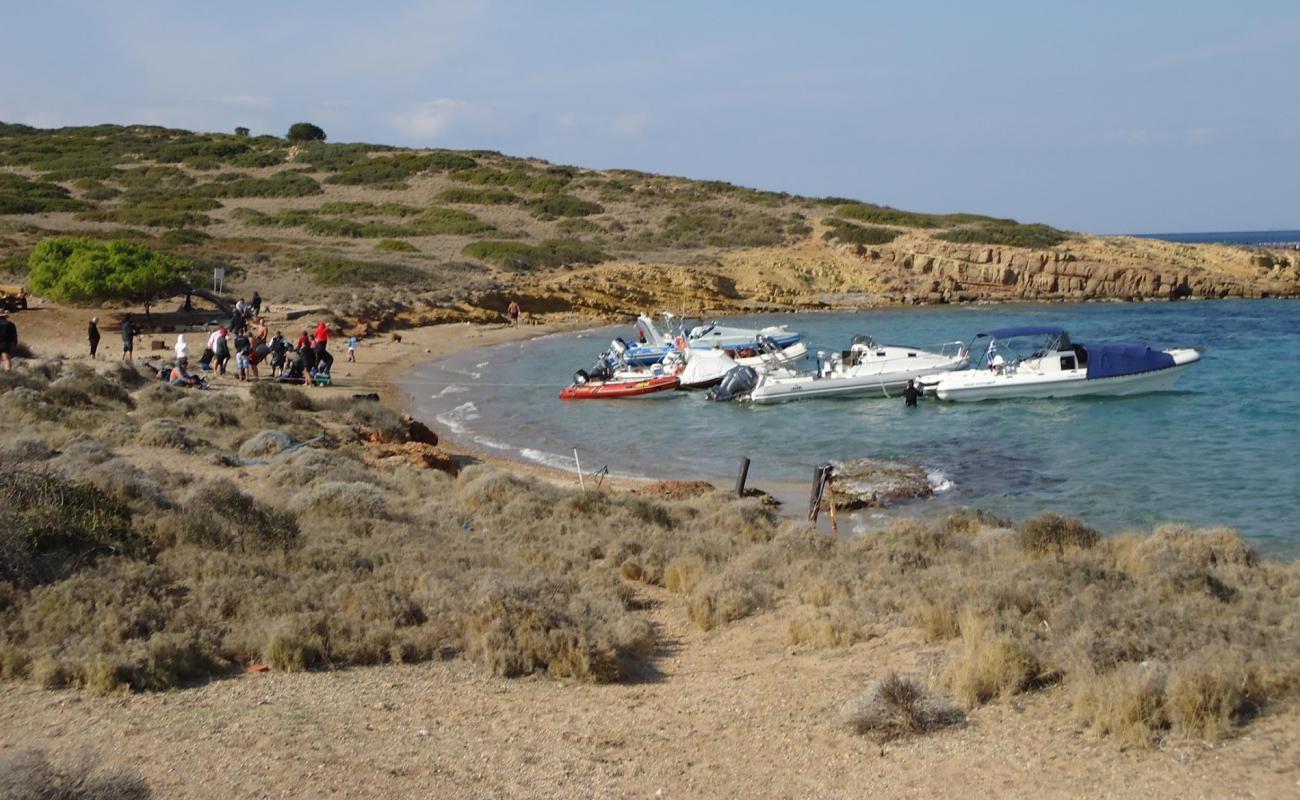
(218, 278)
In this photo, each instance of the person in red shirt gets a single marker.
(323, 359)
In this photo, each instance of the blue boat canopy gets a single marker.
(1026, 330)
(1119, 358)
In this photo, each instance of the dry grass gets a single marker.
(895, 707)
(30, 775)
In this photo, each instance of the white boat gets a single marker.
(1050, 365)
(865, 369)
(704, 369)
(655, 340)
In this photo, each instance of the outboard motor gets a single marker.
(617, 347)
(738, 381)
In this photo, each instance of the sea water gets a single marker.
(1222, 448)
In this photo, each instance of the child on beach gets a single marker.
(352, 348)
(242, 348)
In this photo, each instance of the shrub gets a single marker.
(166, 433)
(849, 233)
(1127, 702)
(524, 180)
(718, 227)
(336, 271)
(82, 270)
(281, 184)
(483, 197)
(265, 443)
(549, 253)
(30, 775)
(447, 161)
(1010, 234)
(18, 195)
(884, 215)
(304, 132)
(1212, 691)
(342, 499)
(1052, 533)
(563, 205)
(896, 707)
(395, 246)
(49, 526)
(990, 664)
(382, 171)
(365, 208)
(217, 515)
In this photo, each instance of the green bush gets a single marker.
(550, 253)
(281, 184)
(382, 171)
(447, 161)
(522, 179)
(82, 270)
(395, 246)
(718, 227)
(18, 195)
(1008, 234)
(335, 271)
(884, 215)
(483, 197)
(848, 233)
(305, 132)
(333, 157)
(564, 205)
(367, 209)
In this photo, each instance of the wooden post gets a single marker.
(581, 483)
(744, 474)
(821, 473)
(830, 503)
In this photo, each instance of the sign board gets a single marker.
(218, 278)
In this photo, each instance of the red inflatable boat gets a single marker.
(596, 390)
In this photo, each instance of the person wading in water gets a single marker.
(910, 394)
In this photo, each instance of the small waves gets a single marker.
(938, 481)
(547, 459)
(456, 419)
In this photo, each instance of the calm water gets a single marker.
(1250, 238)
(1224, 448)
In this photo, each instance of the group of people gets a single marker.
(252, 348)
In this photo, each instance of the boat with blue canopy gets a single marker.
(1042, 361)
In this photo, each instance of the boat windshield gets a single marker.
(1012, 349)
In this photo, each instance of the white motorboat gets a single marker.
(700, 368)
(865, 369)
(655, 340)
(1041, 361)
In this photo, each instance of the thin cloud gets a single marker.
(630, 124)
(432, 119)
(257, 101)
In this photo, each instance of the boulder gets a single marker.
(876, 483)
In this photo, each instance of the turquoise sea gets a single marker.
(1223, 448)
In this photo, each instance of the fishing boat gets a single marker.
(655, 340)
(866, 369)
(1041, 361)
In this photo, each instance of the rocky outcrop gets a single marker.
(876, 483)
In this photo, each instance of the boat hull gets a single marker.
(1002, 387)
(885, 384)
(613, 390)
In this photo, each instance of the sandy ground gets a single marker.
(732, 713)
(735, 712)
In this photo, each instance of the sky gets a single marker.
(1107, 117)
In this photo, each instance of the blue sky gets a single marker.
(1101, 116)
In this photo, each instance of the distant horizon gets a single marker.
(1112, 116)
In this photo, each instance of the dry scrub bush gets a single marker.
(341, 499)
(1050, 533)
(214, 513)
(166, 433)
(30, 775)
(896, 707)
(265, 443)
(1127, 702)
(990, 663)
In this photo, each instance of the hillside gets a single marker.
(394, 235)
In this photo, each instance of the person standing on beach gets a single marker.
(92, 334)
(8, 342)
(513, 313)
(256, 304)
(352, 348)
(128, 338)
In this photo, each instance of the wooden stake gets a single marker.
(578, 464)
